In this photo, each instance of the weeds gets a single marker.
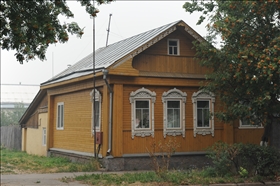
(161, 153)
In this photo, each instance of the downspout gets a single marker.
(105, 73)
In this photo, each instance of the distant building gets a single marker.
(12, 94)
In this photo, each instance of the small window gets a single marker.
(60, 116)
(244, 123)
(203, 109)
(44, 140)
(174, 112)
(142, 112)
(173, 46)
(96, 110)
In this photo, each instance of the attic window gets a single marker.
(173, 47)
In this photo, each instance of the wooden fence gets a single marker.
(11, 137)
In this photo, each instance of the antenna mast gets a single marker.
(108, 30)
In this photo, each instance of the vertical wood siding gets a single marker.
(187, 144)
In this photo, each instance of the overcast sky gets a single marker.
(128, 18)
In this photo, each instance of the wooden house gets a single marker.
(136, 91)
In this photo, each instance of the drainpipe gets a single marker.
(105, 73)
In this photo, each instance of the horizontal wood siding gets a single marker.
(170, 64)
(76, 134)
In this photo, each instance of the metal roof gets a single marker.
(15, 93)
(106, 56)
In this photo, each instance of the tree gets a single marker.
(11, 117)
(246, 67)
(30, 26)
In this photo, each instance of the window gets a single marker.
(203, 107)
(174, 112)
(245, 123)
(142, 112)
(203, 114)
(60, 116)
(44, 140)
(173, 46)
(96, 112)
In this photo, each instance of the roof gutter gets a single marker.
(105, 73)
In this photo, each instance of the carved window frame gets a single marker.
(97, 98)
(142, 94)
(203, 96)
(174, 95)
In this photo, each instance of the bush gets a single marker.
(236, 158)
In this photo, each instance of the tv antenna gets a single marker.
(108, 30)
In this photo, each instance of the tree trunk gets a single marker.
(274, 135)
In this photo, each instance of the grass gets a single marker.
(168, 178)
(13, 162)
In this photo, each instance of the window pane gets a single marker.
(203, 114)
(146, 117)
(176, 118)
(58, 116)
(202, 104)
(62, 113)
(170, 50)
(142, 104)
(173, 114)
(175, 51)
(96, 113)
(173, 104)
(199, 117)
(142, 114)
(172, 43)
(206, 117)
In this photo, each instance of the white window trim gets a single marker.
(57, 122)
(142, 95)
(44, 136)
(178, 47)
(203, 96)
(98, 97)
(174, 95)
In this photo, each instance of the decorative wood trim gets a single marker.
(207, 96)
(174, 94)
(138, 95)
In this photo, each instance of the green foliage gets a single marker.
(243, 172)
(243, 159)
(11, 117)
(260, 160)
(30, 26)
(246, 67)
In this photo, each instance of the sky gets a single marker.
(128, 18)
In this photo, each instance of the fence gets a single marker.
(11, 137)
